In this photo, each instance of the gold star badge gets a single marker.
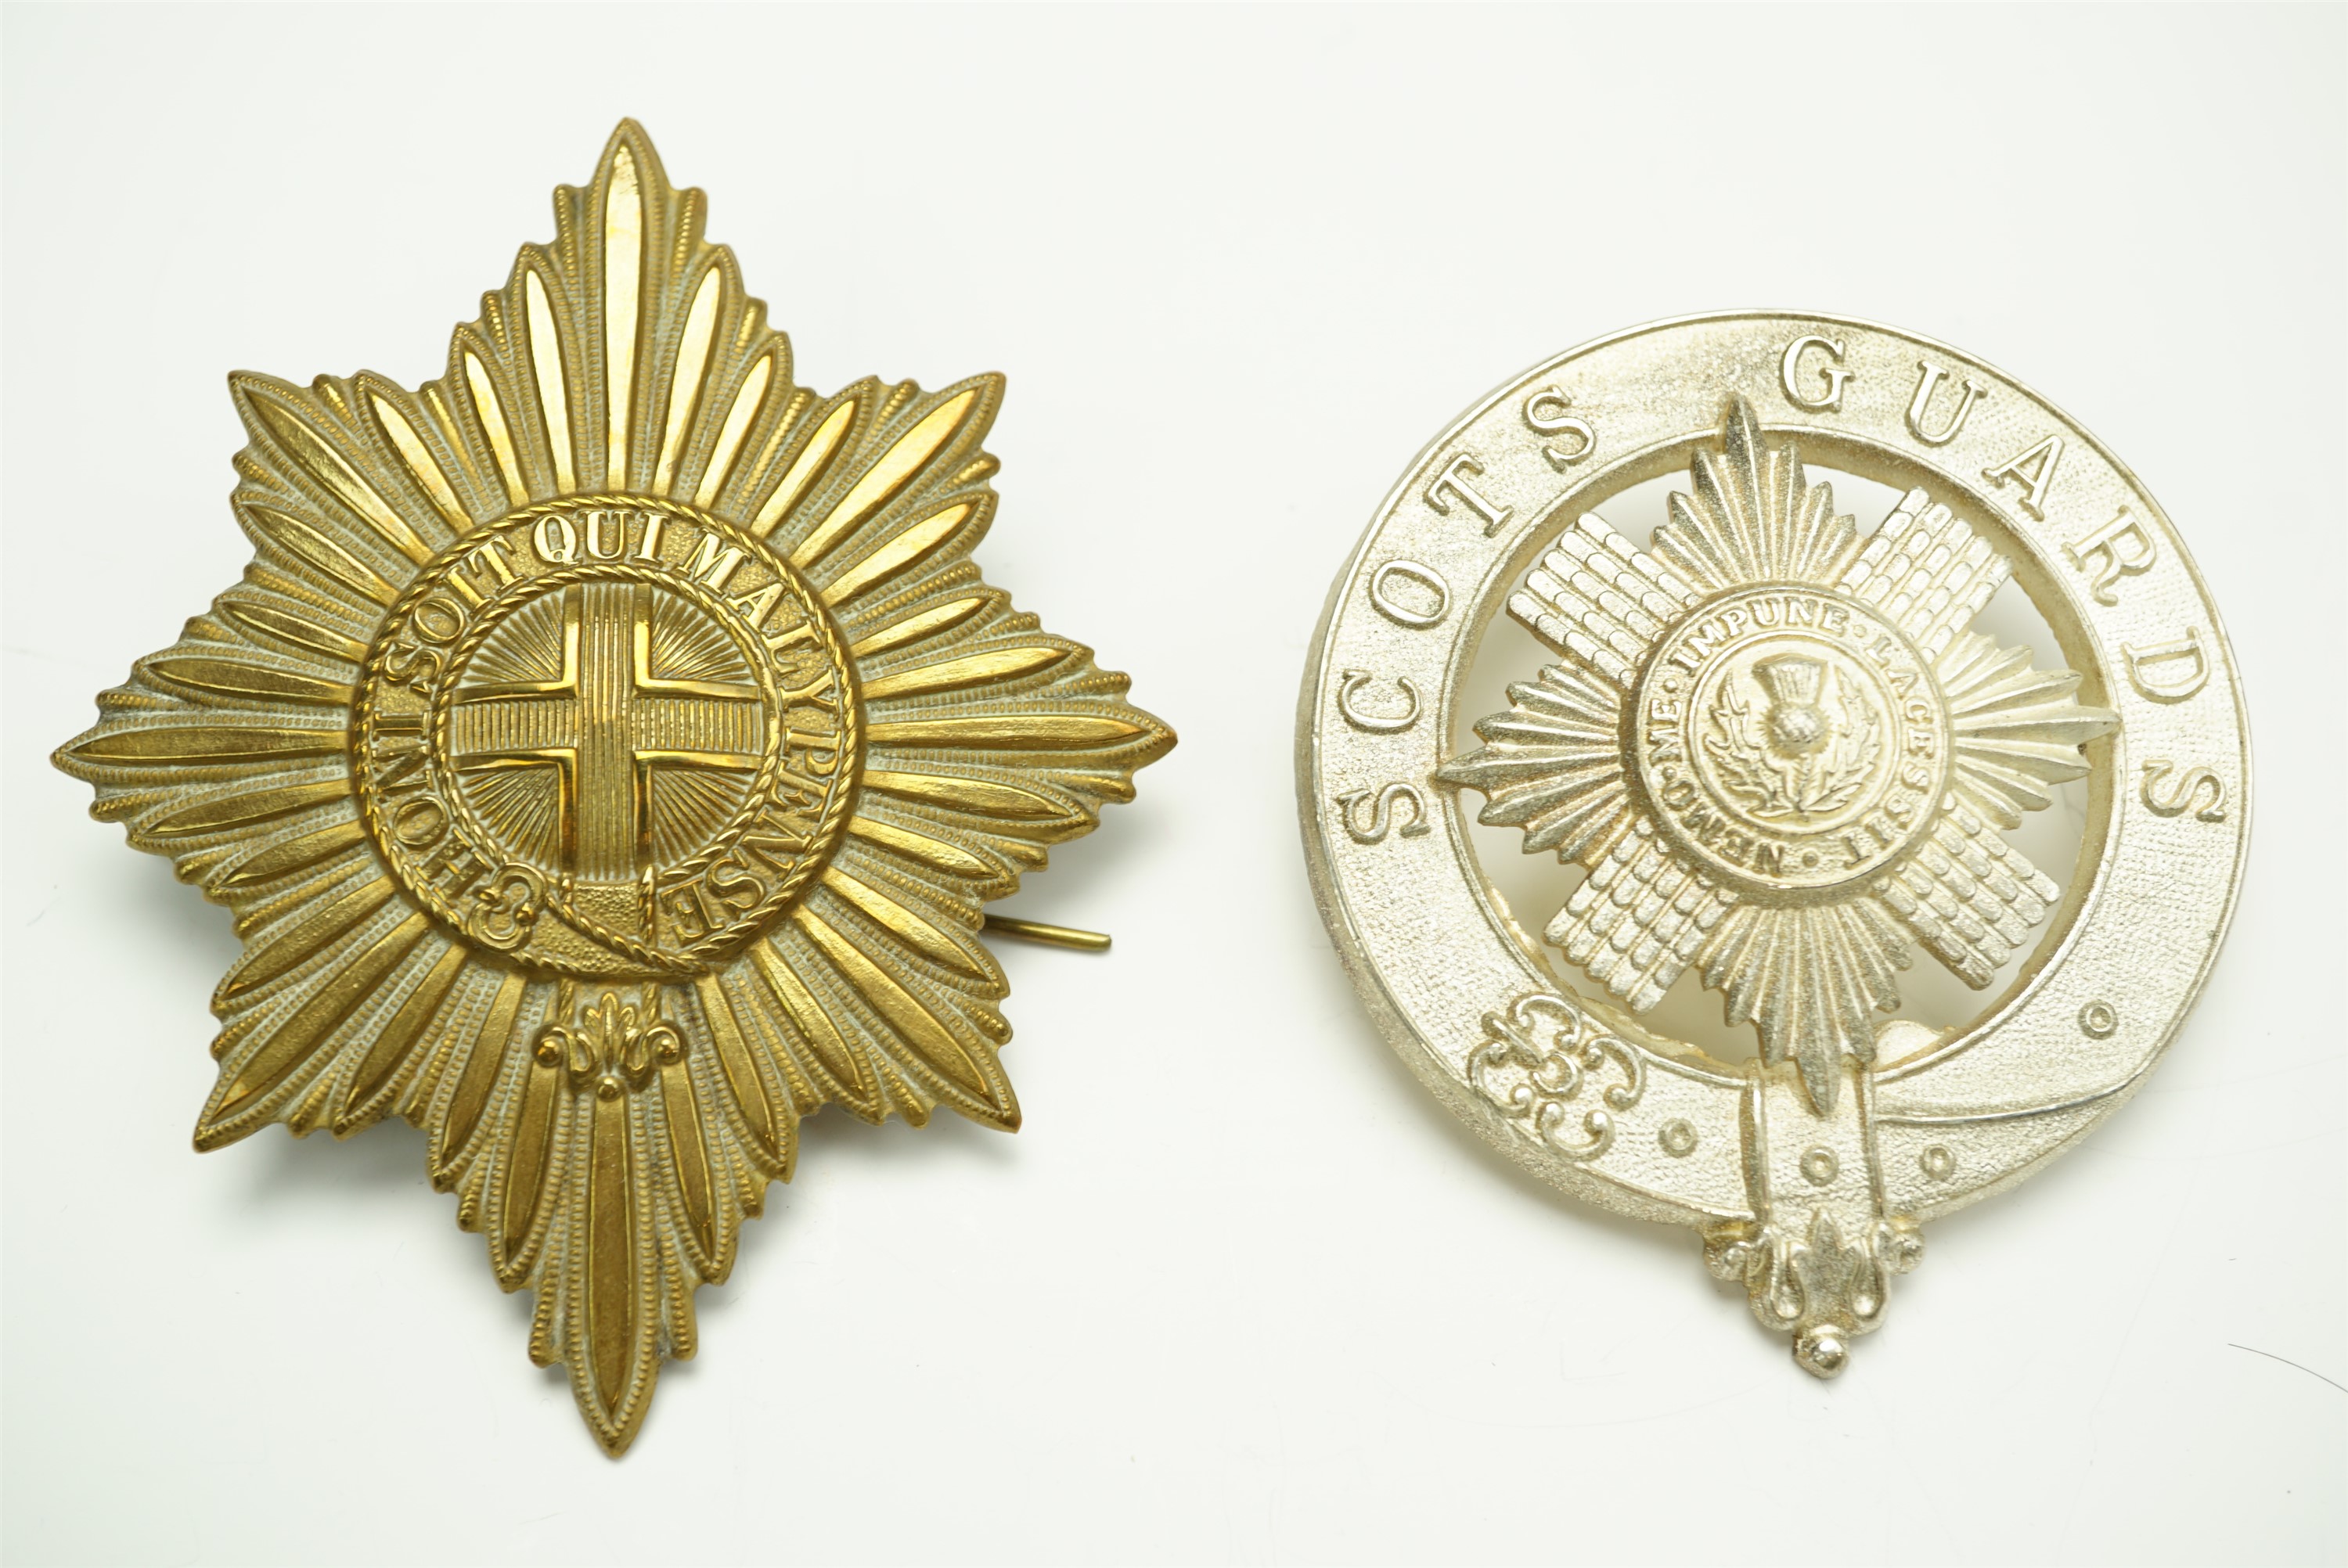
(607, 756)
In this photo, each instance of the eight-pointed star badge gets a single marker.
(606, 757)
(1827, 759)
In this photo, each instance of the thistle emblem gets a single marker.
(1795, 726)
(1821, 756)
(606, 757)
(1792, 762)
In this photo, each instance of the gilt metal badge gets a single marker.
(1772, 755)
(606, 757)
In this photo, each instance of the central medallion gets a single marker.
(1790, 739)
(611, 737)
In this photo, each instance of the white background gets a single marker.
(1241, 1291)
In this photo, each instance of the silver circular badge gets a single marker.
(1780, 754)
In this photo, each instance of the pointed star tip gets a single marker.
(630, 137)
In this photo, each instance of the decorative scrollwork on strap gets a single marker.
(1535, 1061)
(1821, 1287)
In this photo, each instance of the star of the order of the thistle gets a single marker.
(1779, 751)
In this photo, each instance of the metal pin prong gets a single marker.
(1055, 935)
